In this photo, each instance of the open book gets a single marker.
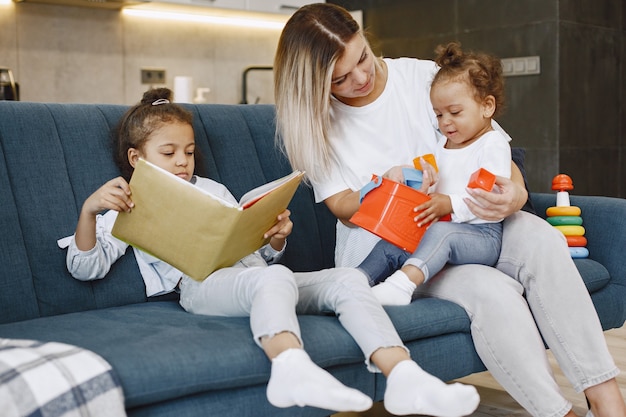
(193, 230)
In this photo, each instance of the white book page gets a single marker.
(251, 196)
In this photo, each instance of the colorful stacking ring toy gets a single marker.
(566, 218)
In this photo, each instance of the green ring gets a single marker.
(565, 220)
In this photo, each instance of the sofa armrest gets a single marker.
(604, 219)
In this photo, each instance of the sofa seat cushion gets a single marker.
(427, 317)
(594, 274)
(161, 352)
(158, 350)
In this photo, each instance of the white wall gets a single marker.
(90, 55)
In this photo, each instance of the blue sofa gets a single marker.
(169, 362)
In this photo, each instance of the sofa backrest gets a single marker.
(53, 156)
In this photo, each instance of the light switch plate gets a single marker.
(525, 65)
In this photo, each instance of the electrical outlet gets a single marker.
(152, 76)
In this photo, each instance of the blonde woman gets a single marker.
(343, 114)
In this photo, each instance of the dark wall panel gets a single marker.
(570, 118)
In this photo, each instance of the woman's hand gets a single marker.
(429, 175)
(395, 173)
(279, 232)
(496, 206)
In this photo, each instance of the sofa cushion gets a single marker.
(63, 153)
(17, 295)
(594, 274)
(436, 317)
(161, 352)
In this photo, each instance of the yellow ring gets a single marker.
(571, 230)
(563, 211)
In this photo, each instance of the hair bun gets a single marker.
(155, 94)
(449, 55)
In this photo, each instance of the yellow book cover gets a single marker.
(193, 230)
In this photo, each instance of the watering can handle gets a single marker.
(374, 183)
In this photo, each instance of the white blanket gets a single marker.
(56, 380)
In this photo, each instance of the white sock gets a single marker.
(296, 380)
(411, 390)
(397, 290)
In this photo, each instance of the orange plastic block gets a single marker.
(429, 157)
(387, 211)
(482, 179)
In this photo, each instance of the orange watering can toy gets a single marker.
(387, 206)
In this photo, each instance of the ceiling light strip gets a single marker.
(204, 18)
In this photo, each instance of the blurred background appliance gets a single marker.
(9, 90)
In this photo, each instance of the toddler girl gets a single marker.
(466, 93)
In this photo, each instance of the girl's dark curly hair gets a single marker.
(482, 71)
(141, 120)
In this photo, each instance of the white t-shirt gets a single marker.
(491, 151)
(392, 130)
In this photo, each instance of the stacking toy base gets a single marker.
(579, 252)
